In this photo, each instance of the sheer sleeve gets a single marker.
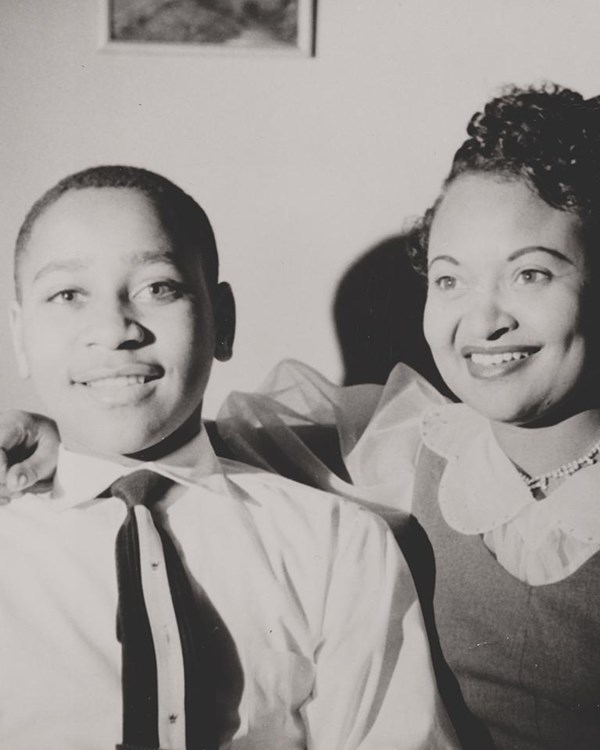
(359, 441)
(383, 461)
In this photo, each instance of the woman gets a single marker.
(511, 248)
(506, 483)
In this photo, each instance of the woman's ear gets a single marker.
(16, 327)
(224, 311)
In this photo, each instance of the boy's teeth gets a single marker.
(497, 359)
(121, 381)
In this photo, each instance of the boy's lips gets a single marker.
(119, 386)
(493, 362)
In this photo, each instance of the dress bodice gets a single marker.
(527, 658)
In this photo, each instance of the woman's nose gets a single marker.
(113, 325)
(489, 317)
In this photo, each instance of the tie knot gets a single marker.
(142, 487)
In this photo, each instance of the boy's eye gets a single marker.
(66, 296)
(160, 290)
(532, 276)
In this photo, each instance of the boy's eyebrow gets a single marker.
(539, 249)
(146, 257)
(78, 264)
(74, 264)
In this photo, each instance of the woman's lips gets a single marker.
(489, 363)
(497, 359)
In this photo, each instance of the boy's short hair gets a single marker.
(183, 219)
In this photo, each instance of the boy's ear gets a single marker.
(224, 311)
(16, 327)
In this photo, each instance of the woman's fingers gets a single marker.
(28, 450)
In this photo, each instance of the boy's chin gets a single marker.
(145, 446)
(156, 450)
(106, 445)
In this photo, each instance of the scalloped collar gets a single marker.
(481, 489)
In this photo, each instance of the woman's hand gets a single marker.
(28, 450)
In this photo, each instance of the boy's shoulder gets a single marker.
(294, 503)
(312, 537)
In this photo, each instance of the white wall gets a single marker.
(301, 163)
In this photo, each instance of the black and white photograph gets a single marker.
(299, 383)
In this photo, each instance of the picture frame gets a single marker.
(209, 27)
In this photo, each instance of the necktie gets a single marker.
(140, 674)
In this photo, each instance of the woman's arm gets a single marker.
(28, 450)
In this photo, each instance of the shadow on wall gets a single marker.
(378, 313)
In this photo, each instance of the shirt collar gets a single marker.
(80, 477)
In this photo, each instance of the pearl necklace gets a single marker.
(542, 481)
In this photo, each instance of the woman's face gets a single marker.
(504, 315)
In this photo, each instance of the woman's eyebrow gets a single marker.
(540, 249)
(448, 258)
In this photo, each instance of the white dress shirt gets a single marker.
(313, 590)
(381, 430)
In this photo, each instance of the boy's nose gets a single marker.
(114, 327)
(489, 318)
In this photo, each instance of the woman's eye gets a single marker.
(160, 290)
(446, 283)
(532, 276)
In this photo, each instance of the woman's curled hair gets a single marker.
(548, 136)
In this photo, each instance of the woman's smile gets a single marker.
(504, 311)
(497, 362)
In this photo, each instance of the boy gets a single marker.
(307, 632)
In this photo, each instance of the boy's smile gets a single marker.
(118, 386)
(115, 325)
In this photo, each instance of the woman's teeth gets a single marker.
(497, 359)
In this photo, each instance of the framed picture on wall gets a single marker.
(278, 27)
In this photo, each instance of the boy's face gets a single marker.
(115, 325)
